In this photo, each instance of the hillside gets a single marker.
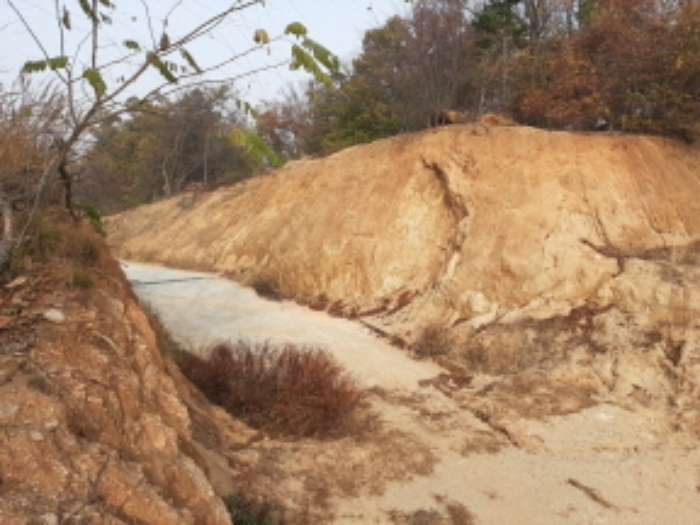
(458, 226)
(98, 425)
(554, 275)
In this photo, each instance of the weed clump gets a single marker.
(245, 511)
(266, 288)
(283, 391)
(57, 238)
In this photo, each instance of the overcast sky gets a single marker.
(337, 24)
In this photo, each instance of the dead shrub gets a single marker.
(266, 288)
(432, 342)
(283, 391)
(247, 511)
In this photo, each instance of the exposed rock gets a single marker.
(96, 426)
(55, 316)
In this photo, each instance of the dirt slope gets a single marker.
(460, 224)
(97, 425)
(556, 275)
(520, 248)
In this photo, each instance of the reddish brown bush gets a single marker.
(284, 391)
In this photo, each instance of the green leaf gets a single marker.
(106, 3)
(94, 78)
(261, 37)
(132, 44)
(164, 70)
(164, 41)
(57, 63)
(256, 147)
(65, 20)
(35, 66)
(87, 9)
(93, 216)
(297, 29)
(190, 60)
(303, 60)
(322, 55)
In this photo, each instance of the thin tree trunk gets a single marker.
(68, 190)
(7, 243)
(7, 218)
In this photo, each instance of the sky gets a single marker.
(337, 24)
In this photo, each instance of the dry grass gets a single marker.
(284, 391)
(55, 238)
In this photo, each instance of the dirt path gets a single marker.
(448, 450)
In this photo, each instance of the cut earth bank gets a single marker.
(554, 275)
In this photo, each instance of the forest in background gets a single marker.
(630, 66)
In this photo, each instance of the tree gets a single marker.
(95, 82)
(158, 150)
(286, 124)
(442, 68)
(632, 66)
(27, 120)
(501, 31)
(409, 69)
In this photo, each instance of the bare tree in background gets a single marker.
(95, 68)
(438, 60)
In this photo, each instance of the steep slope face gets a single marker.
(97, 427)
(466, 222)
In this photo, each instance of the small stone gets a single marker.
(8, 410)
(5, 321)
(49, 519)
(55, 316)
(36, 436)
(16, 283)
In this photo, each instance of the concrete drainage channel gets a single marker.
(199, 309)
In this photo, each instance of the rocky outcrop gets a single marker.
(96, 424)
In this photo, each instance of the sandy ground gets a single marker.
(447, 452)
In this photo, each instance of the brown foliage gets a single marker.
(284, 391)
(633, 67)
